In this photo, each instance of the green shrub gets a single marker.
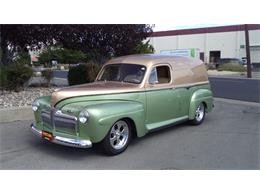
(210, 66)
(23, 58)
(83, 73)
(17, 75)
(48, 75)
(36, 64)
(231, 67)
(62, 55)
(143, 48)
(3, 81)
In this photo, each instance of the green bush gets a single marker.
(3, 80)
(23, 58)
(210, 67)
(17, 75)
(83, 73)
(143, 48)
(48, 75)
(231, 67)
(62, 55)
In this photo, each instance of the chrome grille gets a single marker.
(55, 120)
(46, 116)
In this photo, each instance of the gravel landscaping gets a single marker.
(22, 98)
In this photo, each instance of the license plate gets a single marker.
(47, 135)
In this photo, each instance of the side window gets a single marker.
(153, 77)
(160, 75)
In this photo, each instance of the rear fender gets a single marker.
(200, 96)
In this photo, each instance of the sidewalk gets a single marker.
(16, 114)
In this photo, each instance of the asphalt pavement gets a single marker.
(228, 139)
(236, 88)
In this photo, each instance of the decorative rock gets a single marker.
(23, 98)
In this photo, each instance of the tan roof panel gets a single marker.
(151, 59)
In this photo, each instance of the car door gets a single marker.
(162, 100)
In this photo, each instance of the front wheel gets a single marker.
(118, 138)
(199, 115)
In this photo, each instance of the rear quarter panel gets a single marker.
(200, 94)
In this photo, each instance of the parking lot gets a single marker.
(228, 139)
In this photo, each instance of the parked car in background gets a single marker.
(78, 64)
(244, 59)
(234, 61)
(131, 96)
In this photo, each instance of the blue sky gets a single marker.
(164, 27)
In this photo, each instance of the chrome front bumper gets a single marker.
(78, 143)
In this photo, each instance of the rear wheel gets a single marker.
(199, 115)
(118, 138)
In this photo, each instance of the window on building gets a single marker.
(214, 56)
(202, 56)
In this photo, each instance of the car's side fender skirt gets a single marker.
(199, 96)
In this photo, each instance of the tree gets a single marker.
(17, 38)
(145, 47)
(62, 55)
(95, 40)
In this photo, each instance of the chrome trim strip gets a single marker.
(176, 86)
(191, 84)
(78, 143)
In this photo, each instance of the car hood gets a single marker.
(96, 88)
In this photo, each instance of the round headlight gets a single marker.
(35, 106)
(83, 116)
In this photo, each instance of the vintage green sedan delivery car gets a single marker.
(131, 96)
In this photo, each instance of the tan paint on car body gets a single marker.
(185, 71)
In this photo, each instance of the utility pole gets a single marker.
(248, 59)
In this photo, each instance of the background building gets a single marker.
(213, 42)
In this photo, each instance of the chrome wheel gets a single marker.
(200, 111)
(119, 135)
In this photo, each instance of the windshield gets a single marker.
(130, 73)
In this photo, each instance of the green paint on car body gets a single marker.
(144, 105)
(147, 109)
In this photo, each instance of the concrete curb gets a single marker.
(26, 113)
(238, 102)
(16, 114)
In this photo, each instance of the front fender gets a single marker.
(104, 114)
(199, 96)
